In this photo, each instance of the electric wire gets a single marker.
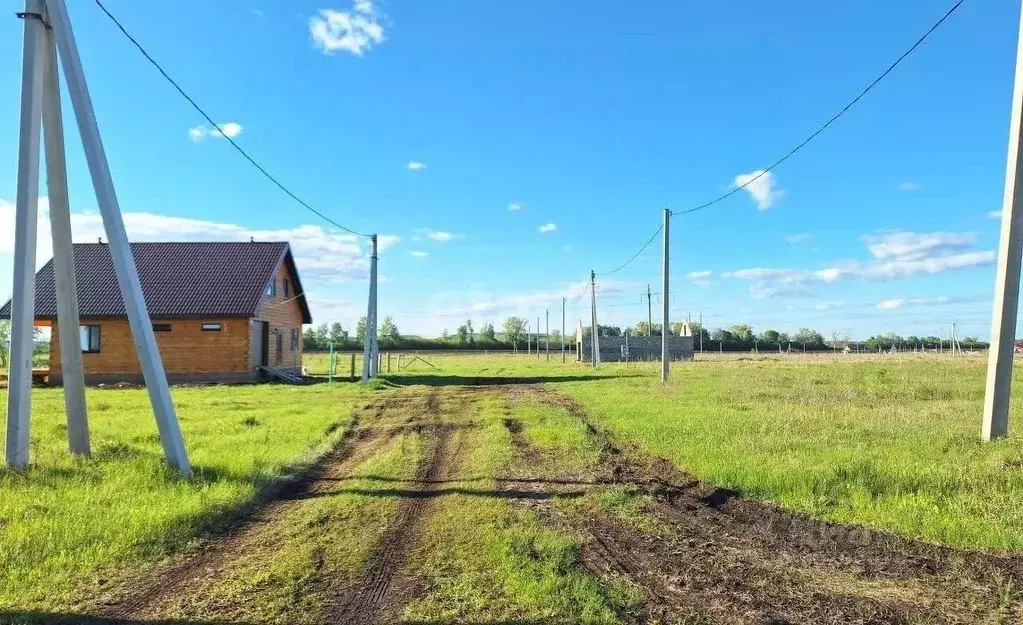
(233, 143)
(833, 118)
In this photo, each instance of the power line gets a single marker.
(636, 255)
(241, 151)
(573, 300)
(834, 117)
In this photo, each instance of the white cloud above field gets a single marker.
(762, 186)
(416, 165)
(355, 31)
(545, 228)
(909, 186)
(515, 206)
(418, 254)
(323, 256)
(893, 255)
(440, 236)
(227, 129)
(798, 238)
(994, 214)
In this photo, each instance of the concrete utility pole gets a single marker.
(1010, 249)
(701, 335)
(39, 99)
(72, 371)
(369, 354)
(538, 337)
(664, 301)
(547, 332)
(649, 314)
(563, 358)
(594, 341)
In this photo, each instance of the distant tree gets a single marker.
(742, 332)
(609, 331)
(462, 334)
(338, 335)
(388, 330)
(322, 334)
(514, 328)
(360, 330)
(770, 336)
(469, 331)
(808, 338)
(784, 338)
(722, 335)
(487, 333)
(556, 337)
(445, 335)
(5, 342)
(643, 329)
(309, 340)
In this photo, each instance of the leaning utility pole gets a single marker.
(538, 337)
(594, 341)
(1010, 249)
(47, 31)
(664, 301)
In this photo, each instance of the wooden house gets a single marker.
(221, 312)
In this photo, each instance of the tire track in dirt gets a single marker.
(716, 555)
(383, 590)
(144, 595)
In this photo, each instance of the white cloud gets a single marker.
(994, 214)
(514, 206)
(889, 304)
(914, 246)
(761, 186)
(435, 235)
(699, 275)
(416, 165)
(323, 256)
(355, 31)
(909, 186)
(904, 302)
(831, 305)
(443, 237)
(227, 129)
(798, 238)
(419, 254)
(895, 255)
(547, 228)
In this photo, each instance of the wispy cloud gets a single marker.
(416, 165)
(443, 237)
(323, 256)
(798, 238)
(547, 228)
(909, 186)
(994, 214)
(762, 187)
(514, 206)
(699, 275)
(355, 31)
(894, 255)
(227, 129)
(903, 302)
(419, 254)
(435, 235)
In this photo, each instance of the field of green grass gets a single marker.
(893, 443)
(66, 520)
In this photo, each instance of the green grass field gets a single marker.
(889, 443)
(68, 520)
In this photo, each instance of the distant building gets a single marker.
(635, 348)
(220, 311)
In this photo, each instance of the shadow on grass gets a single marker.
(482, 380)
(54, 618)
(408, 493)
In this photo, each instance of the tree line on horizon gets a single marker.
(515, 330)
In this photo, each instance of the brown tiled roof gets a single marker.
(178, 280)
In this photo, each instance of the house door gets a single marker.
(261, 343)
(279, 349)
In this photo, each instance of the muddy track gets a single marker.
(719, 557)
(382, 591)
(143, 596)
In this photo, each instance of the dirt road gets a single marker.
(508, 504)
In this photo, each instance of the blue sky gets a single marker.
(503, 149)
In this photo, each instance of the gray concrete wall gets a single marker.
(641, 348)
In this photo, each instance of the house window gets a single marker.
(271, 290)
(88, 338)
(211, 327)
(294, 339)
(161, 327)
(287, 288)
